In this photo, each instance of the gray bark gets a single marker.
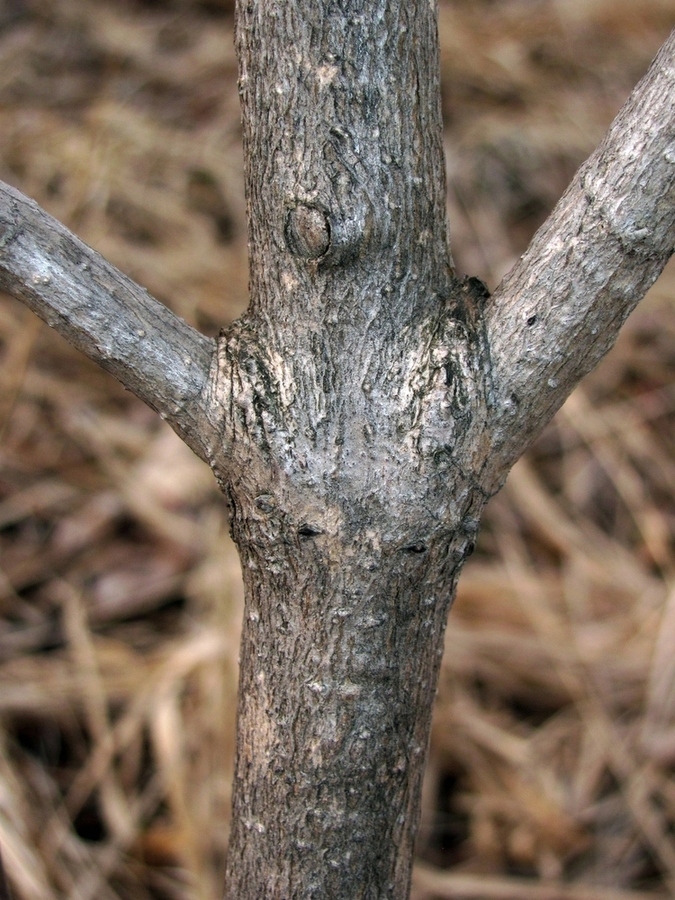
(360, 414)
(355, 388)
(105, 314)
(561, 307)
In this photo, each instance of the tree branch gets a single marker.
(560, 309)
(156, 355)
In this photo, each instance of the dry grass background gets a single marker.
(553, 748)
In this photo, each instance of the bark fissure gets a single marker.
(362, 411)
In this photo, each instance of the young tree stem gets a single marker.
(361, 413)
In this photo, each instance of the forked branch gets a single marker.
(156, 355)
(561, 307)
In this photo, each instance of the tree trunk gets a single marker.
(352, 528)
(363, 410)
(355, 398)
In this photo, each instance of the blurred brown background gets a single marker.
(554, 740)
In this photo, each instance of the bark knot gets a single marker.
(307, 232)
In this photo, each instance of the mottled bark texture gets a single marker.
(362, 411)
(355, 398)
